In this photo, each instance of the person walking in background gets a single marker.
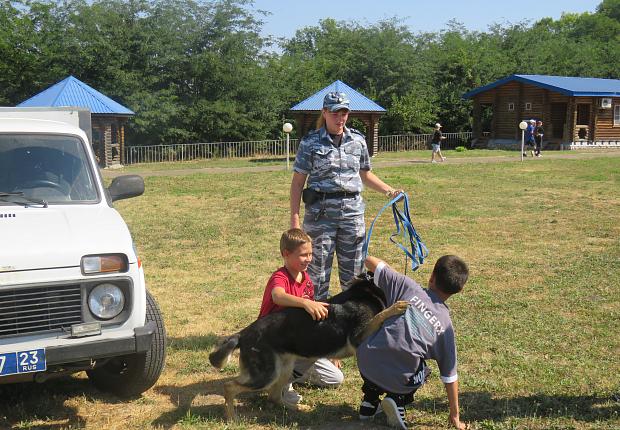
(529, 137)
(436, 144)
(334, 164)
(539, 132)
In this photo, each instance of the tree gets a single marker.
(200, 70)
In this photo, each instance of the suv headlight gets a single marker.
(106, 301)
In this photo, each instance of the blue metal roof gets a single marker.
(584, 87)
(73, 92)
(359, 102)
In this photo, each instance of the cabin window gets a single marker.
(511, 106)
(528, 106)
(617, 115)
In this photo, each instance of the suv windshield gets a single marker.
(53, 169)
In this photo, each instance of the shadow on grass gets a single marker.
(480, 406)
(26, 405)
(194, 343)
(184, 396)
(203, 402)
(272, 160)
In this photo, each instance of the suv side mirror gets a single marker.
(126, 186)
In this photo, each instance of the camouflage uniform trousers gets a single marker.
(346, 237)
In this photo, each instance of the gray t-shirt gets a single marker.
(391, 356)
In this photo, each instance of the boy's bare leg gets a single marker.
(377, 321)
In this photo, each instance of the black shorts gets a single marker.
(372, 391)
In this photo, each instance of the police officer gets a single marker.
(334, 164)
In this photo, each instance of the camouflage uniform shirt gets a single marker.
(333, 168)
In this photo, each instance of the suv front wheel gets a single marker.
(131, 375)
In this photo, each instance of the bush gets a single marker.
(460, 149)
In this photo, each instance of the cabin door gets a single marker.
(558, 120)
(486, 118)
(583, 121)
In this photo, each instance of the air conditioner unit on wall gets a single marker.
(606, 103)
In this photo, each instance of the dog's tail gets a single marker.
(220, 356)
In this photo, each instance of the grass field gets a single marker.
(537, 325)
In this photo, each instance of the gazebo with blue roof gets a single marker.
(108, 117)
(576, 112)
(307, 112)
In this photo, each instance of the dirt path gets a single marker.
(111, 173)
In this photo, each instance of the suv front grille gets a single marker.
(37, 310)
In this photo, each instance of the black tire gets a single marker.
(131, 375)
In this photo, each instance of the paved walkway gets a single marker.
(376, 163)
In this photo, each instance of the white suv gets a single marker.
(72, 289)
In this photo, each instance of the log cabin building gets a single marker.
(108, 117)
(363, 109)
(576, 112)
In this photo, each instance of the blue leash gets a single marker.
(404, 228)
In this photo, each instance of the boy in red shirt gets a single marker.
(290, 286)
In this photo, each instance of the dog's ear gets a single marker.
(366, 276)
(370, 277)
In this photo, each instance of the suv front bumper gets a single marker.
(140, 342)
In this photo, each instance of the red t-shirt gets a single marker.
(282, 278)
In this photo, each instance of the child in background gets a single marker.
(539, 132)
(436, 144)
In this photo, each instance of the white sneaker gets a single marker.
(290, 396)
(368, 410)
(443, 158)
(395, 414)
(433, 161)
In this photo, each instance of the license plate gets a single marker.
(22, 362)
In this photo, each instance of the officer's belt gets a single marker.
(341, 194)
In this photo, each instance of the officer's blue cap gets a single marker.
(335, 101)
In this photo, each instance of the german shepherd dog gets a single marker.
(270, 345)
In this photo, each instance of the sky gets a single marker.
(287, 16)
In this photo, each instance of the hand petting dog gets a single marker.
(317, 310)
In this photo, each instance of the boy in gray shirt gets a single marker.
(392, 361)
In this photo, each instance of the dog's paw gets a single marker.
(296, 407)
(303, 408)
(398, 308)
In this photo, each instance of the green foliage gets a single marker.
(610, 8)
(200, 70)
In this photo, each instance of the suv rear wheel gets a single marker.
(131, 375)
